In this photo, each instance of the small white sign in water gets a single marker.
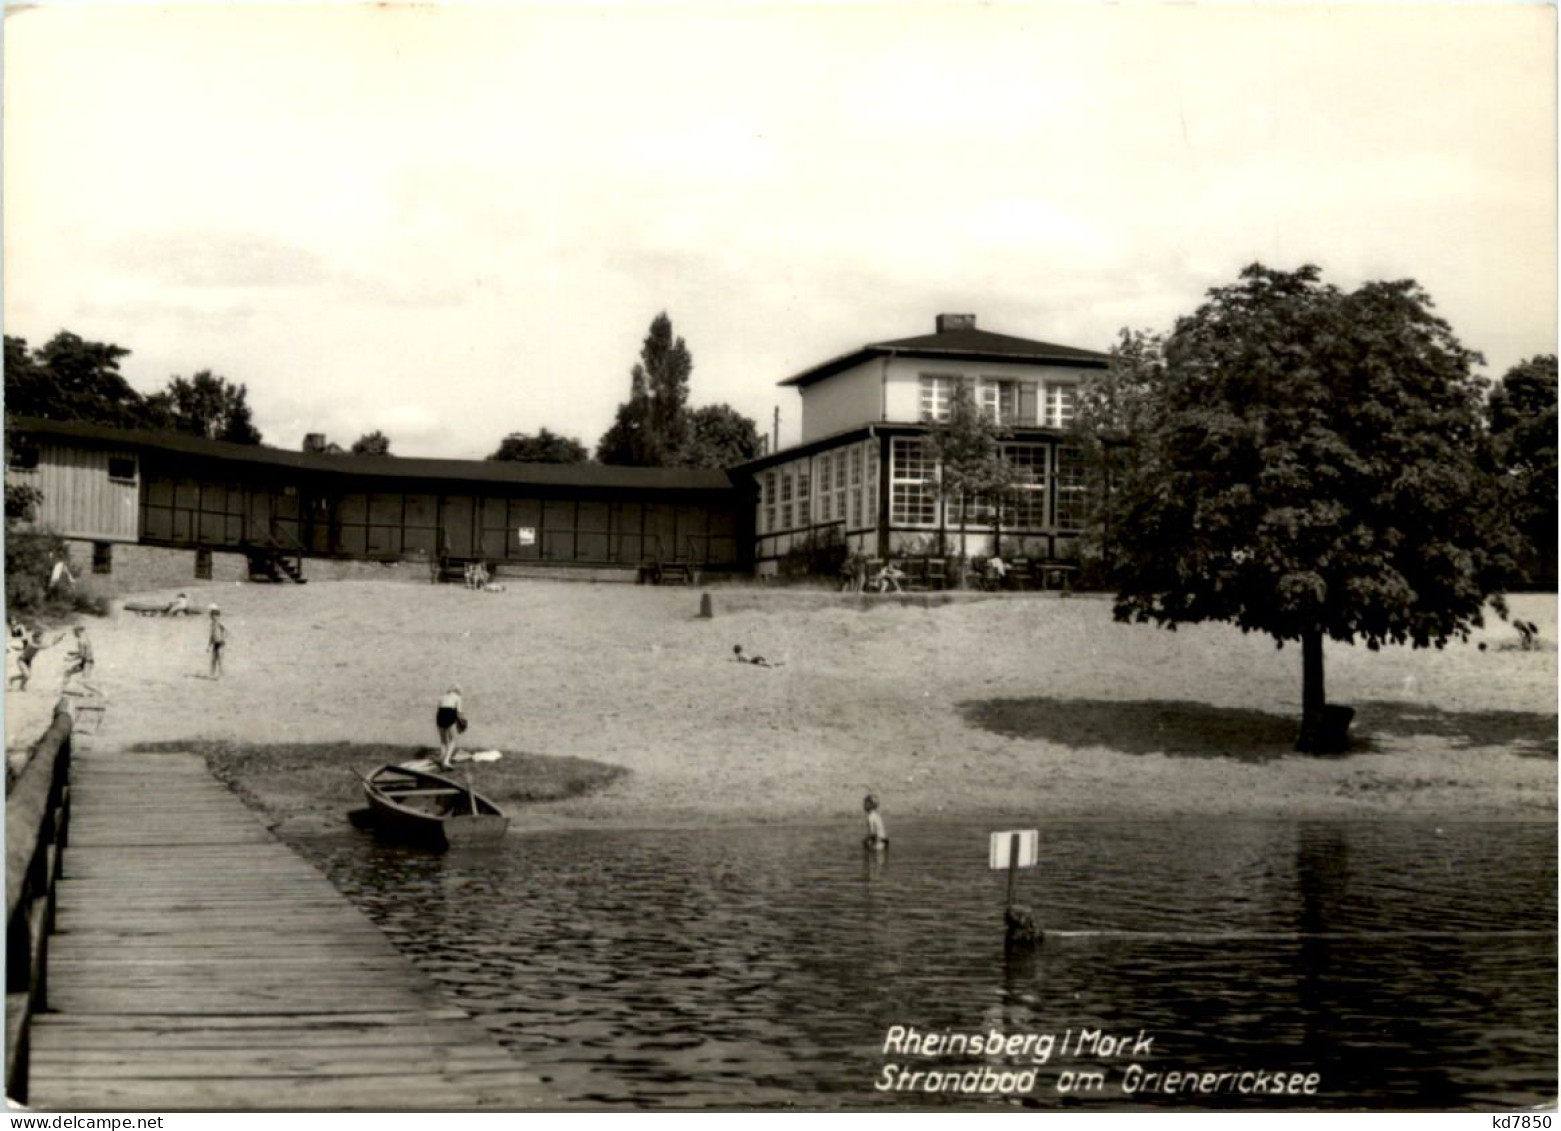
(1029, 849)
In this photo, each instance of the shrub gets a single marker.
(821, 554)
(29, 558)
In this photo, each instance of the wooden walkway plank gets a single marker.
(201, 965)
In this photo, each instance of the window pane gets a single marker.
(1072, 502)
(1060, 402)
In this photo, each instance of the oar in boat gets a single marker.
(466, 772)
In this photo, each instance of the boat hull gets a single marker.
(418, 806)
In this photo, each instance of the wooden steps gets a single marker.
(200, 964)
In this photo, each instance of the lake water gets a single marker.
(1400, 965)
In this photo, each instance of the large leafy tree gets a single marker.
(719, 437)
(70, 378)
(651, 427)
(544, 447)
(207, 406)
(1316, 467)
(1116, 413)
(1522, 411)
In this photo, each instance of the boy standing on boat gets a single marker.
(449, 719)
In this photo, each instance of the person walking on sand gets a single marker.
(79, 664)
(216, 642)
(450, 720)
(877, 836)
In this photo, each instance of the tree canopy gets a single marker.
(656, 428)
(1522, 410)
(651, 427)
(1314, 466)
(207, 406)
(719, 437)
(69, 378)
(374, 443)
(544, 447)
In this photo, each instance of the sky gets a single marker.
(450, 224)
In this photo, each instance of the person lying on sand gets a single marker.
(760, 661)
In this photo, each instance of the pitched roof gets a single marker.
(582, 475)
(964, 343)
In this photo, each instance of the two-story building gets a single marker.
(864, 473)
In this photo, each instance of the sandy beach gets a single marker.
(1023, 705)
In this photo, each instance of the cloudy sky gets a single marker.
(451, 224)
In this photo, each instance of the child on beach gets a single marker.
(60, 575)
(79, 664)
(877, 836)
(216, 641)
(449, 720)
(25, 645)
(889, 577)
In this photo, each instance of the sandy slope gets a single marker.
(1016, 705)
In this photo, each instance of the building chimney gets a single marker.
(948, 322)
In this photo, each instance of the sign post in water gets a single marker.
(1015, 850)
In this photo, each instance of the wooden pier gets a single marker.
(200, 964)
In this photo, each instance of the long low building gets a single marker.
(111, 486)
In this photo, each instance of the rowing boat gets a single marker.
(409, 803)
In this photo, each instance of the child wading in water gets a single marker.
(216, 642)
(877, 836)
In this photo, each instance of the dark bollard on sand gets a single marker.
(706, 610)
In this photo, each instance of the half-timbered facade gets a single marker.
(165, 489)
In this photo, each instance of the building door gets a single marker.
(457, 528)
(661, 532)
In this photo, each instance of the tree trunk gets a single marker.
(960, 582)
(1314, 700)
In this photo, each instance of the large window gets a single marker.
(1007, 402)
(856, 486)
(839, 483)
(937, 395)
(913, 499)
(1061, 401)
(825, 499)
(1072, 491)
(870, 485)
(785, 500)
(1027, 511)
(769, 501)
